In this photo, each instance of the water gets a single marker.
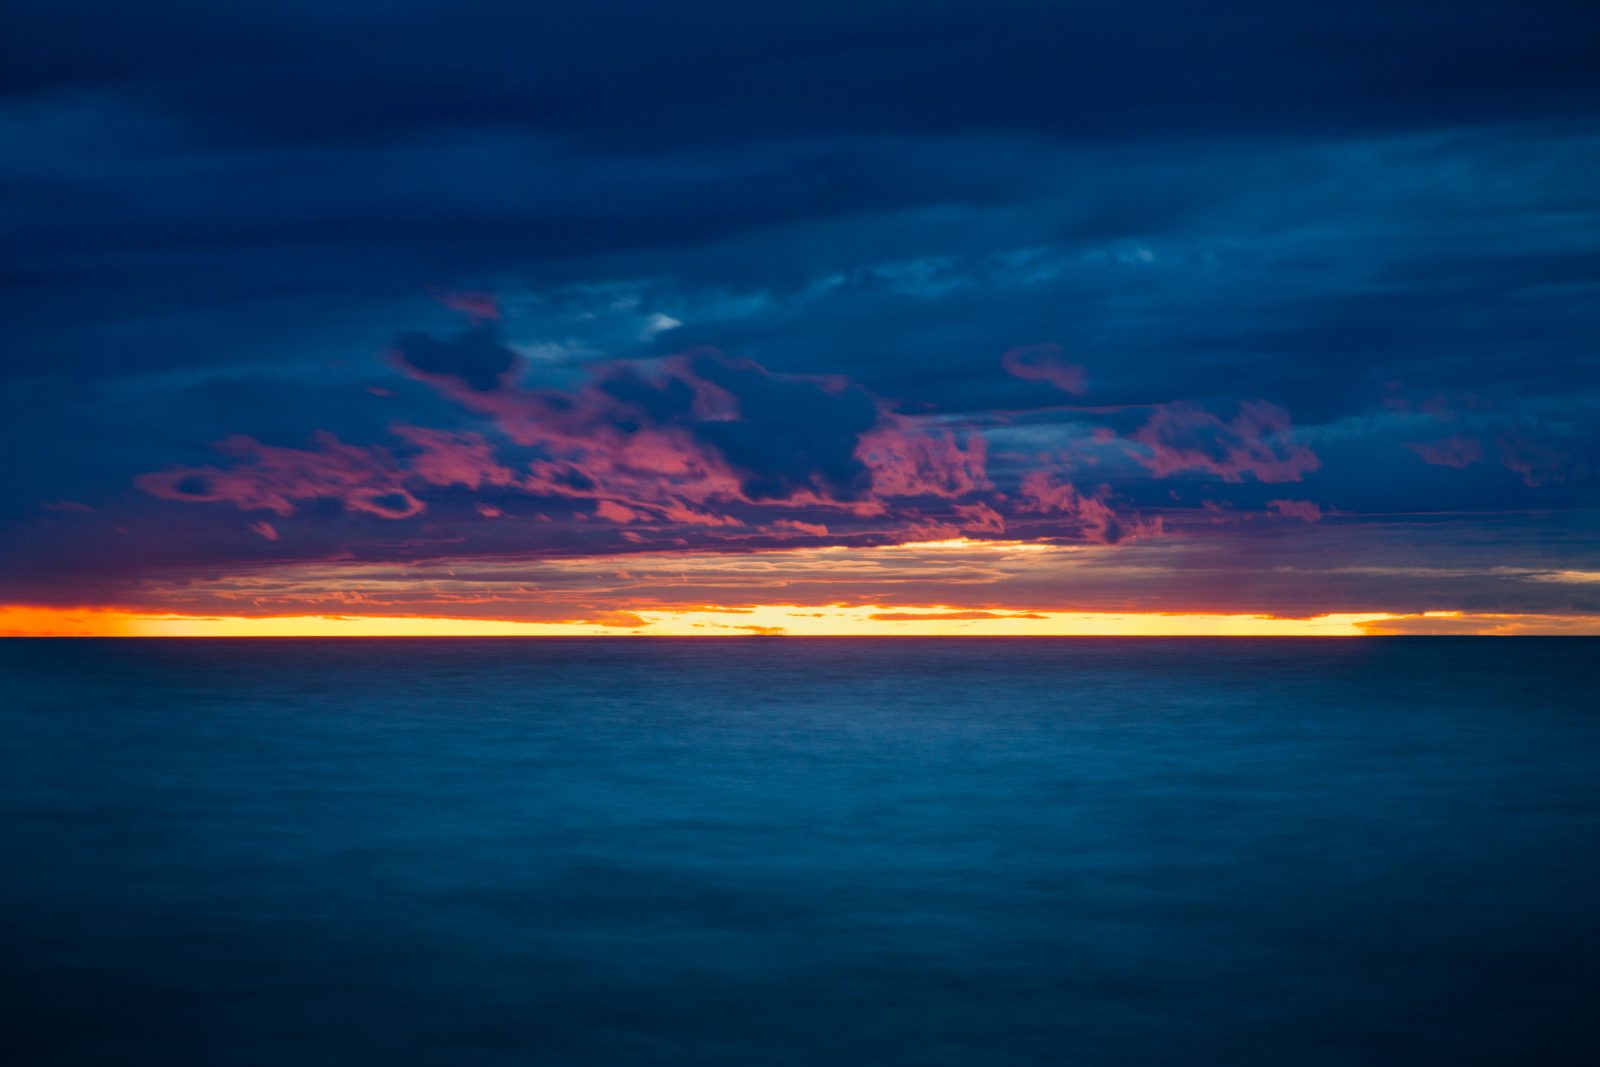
(800, 851)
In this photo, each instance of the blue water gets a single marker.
(786, 851)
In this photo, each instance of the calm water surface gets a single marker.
(796, 851)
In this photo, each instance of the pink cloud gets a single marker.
(662, 434)
(684, 449)
(1458, 451)
(908, 462)
(1304, 510)
(811, 529)
(269, 478)
(673, 511)
(605, 442)
(916, 527)
(1040, 493)
(612, 511)
(1043, 363)
(477, 307)
(1184, 436)
(1537, 463)
(446, 458)
(265, 529)
(980, 518)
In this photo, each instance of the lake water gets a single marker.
(800, 851)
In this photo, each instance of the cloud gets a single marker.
(476, 358)
(657, 323)
(980, 518)
(1535, 461)
(793, 435)
(1456, 451)
(477, 307)
(906, 461)
(612, 511)
(678, 433)
(693, 441)
(1043, 363)
(455, 458)
(1304, 510)
(810, 529)
(1042, 493)
(1446, 623)
(1257, 441)
(268, 478)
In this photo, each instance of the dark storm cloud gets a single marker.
(1350, 247)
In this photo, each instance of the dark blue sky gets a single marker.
(1271, 307)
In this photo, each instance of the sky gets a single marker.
(866, 317)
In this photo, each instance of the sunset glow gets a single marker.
(781, 619)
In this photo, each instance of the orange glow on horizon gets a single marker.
(781, 619)
(27, 620)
